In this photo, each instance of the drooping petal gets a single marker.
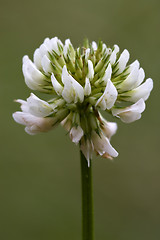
(56, 85)
(108, 128)
(34, 124)
(108, 98)
(130, 114)
(87, 87)
(76, 134)
(102, 145)
(73, 91)
(87, 149)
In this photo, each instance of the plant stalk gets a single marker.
(87, 199)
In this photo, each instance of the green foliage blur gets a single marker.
(40, 196)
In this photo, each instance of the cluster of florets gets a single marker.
(82, 82)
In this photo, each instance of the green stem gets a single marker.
(87, 199)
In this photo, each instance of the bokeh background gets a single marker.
(40, 187)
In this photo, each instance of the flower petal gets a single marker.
(46, 65)
(87, 87)
(90, 74)
(73, 91)
(94, 46)
(56, 85)
(130, 81)
(133, 65)
(143, 91)
(113, 56)
(34, 124)
(104, 49)
(140, 79)
(109, 96)
(108, 128)
(87, 53)
(67, 122)
(76, 134)
(107, 74)
(24, 105)
(31, 130)
(38, 107)
(54, 45)
(68, 50)
(102, 145)
(44, 50)
(37, 57)
(130, 114)
(66, 47)
(124, 57)
(87, 149)
(33, 77)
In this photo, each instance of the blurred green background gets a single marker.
(40, 196)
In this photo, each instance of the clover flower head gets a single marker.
(81, 83)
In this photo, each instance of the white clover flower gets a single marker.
(82, 82)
